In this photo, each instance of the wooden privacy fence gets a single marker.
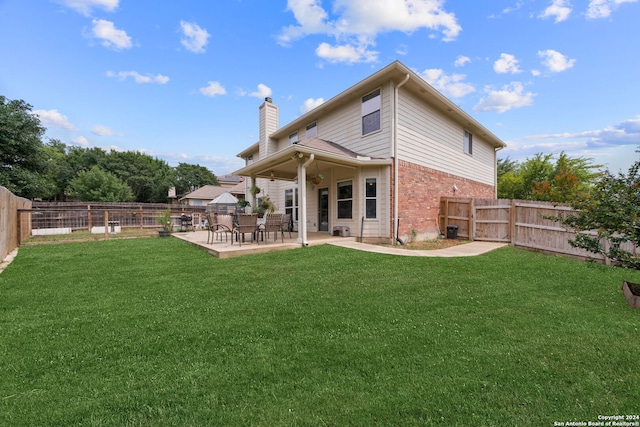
(10, 234)
(522, 223)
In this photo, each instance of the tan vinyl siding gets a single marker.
(380, 226)
(426, 137)
(344, 127)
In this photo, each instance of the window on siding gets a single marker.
(249, 160)
(371, 112)
(291, 203)
(345, 199)
(370, 198)
(293, 138)
(312, 130)
(468, 142)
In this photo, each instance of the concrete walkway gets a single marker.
(467, 249)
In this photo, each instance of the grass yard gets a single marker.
(153, 332)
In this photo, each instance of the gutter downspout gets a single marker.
(302, 185)
(395, 159)
(495, 173)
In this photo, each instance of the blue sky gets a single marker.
(183, 80)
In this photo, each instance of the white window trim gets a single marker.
(376, 198)
(314, 126)
(293, 138)
(467, 148)
(371, 106)
(339, 200)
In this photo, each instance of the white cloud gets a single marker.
(450, 85)
(111, 37)
(555, 61)
(402, 50)
(346, 53)
(612, 146)
(510, 96)
(558, 9)
(84, 6)
(262, 92)
(461, 61)
(506, 64)
(310, 104)
(213, 89)
(54, 118)
(355, 24)
(81, 140)
(139, 78)
(195, 38)
(101, 130)
(604, 8)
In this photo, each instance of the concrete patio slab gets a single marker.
(224, 249)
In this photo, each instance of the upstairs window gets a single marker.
(371, 112)
(312, 130)
(345, 199)
(293, 138)
(468, 142)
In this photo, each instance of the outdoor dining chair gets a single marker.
(272, 223)
(286, 225)
(247, 223)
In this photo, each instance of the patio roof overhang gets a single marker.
(283, 165)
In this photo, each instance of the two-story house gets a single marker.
(387, 148)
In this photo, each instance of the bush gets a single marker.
(612, 212)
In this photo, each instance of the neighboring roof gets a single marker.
(229, 179)
(225, 198)
(397, 72)
(209, 192)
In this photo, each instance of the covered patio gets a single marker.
(303, 160)
(225, 249)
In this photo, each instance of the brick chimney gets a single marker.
(268, 124)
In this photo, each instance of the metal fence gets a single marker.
(107, 219)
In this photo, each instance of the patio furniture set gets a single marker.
(239, 225)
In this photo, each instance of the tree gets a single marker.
(611, 214)
(193, 176)
(149, 178)
(96, 185)
(22, 160)
(539, 178)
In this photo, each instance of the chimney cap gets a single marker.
(268, 99)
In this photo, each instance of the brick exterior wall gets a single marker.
(420, 191)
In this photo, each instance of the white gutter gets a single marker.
(302, 186)
(395, 157)
(495, 171)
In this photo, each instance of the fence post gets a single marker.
(472, 220)
(141, 220)
(512, 222)
(89, 220)
(106, 224)
(446, 214)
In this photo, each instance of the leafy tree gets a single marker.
(148, 177)
(539, 178)
(22, 160)
(192, 176)
(612, 214)
(97, 185)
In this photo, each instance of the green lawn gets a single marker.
(153, 332)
